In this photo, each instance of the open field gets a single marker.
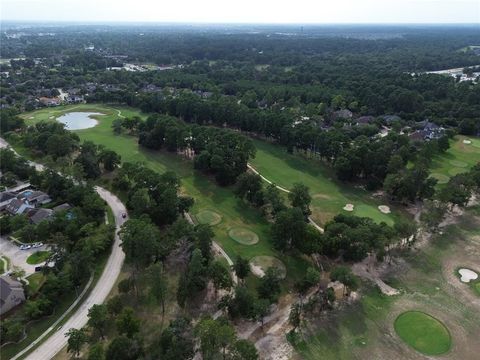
(459, 158)
(328, 196)
(207, 194)
(428, 283)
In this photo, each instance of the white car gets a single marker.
(37, 245)
(25, 247)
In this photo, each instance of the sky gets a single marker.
(244, 11)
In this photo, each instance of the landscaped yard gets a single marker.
(328, 196)
(459, 158)
(38, 257)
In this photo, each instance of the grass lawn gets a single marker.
(328, 195)
(38, 257)
(4, 264)
(207, 194)
(423, 332)
(457, 159)
(35, 281)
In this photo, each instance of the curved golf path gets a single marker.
(310, 220)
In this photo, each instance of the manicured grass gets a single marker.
(328, 195)
(243, 236)
(4, 264)
(476, 287)
(207, 194)
(38, 257)
(459, 158)
(423, 332)
(208, 217)
(35, 282)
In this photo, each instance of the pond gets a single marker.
(78, 120)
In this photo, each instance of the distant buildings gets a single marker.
(46, 101)
(427, 131)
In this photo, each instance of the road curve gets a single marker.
(56, 341)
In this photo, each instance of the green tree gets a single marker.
(269, 287)
(76, 340)
(345, 276)
(220, 276)
(127, 323)
(98, 318)
(96, 352)
(158, 285)
(241, 268)
(243, 350)
(300, 198)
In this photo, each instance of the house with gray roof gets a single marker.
(18, 207)
(6, 197)
(39, 215)
(35, 198)
(11, 293)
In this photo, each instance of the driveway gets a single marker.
(18, 257)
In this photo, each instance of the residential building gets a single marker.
(11, 293)
(18, 207)
(6, 197)
(39, 215)
(50, 101)
(35, 198)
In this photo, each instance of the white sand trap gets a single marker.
(384, 209)
(348, 207)
(467, 275)
(51, 117)
(468, 142)
(31, 117)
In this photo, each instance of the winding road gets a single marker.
(57, 340)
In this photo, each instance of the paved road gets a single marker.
(57, 340)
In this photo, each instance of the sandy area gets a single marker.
(468, 142)
(467, 275)
(384, 209)
(348, 207)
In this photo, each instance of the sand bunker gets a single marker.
(384, 209)
(467, 275)
(348, 207)
(468, 142)
(260, 264)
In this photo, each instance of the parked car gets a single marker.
(25, 247)
(37, 245)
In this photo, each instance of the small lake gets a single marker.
(78, 120)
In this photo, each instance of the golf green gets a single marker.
(243, 236)
(442, 179)
(208, 217)
(423, 332)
